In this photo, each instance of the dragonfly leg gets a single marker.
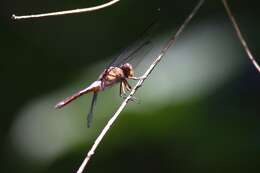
(124, 84)
(137, 78)
(128, 86)
(122, 89)
(133, 98)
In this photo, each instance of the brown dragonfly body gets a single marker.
(119, 71)
(108, 77)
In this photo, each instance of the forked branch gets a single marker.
(59, 13)
(171, 41)
(239, 34)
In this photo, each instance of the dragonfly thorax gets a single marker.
(127, 70)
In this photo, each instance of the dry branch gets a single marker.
(138, 84)
(240, 37)
(59, 13)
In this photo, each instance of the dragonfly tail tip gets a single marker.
(59, 105)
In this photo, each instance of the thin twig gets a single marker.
(82, 10)
(138, 84)
(239, 34)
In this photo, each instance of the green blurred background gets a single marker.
(198, 111)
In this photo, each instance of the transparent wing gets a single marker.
(138, 47)
(134, 54)
(90, 114)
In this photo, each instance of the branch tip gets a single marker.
(13, 17)
(59, 13)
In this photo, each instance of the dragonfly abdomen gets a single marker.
(94, 87)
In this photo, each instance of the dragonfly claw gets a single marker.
(133, 98)
(138, 78)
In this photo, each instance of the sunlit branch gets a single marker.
(59, 13)
(239, 34)
(171, 41)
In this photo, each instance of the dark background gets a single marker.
(216, 131)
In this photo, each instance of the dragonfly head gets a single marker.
(127, 69)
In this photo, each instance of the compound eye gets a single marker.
(130, 73)
(128, 70)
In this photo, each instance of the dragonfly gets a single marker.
(120, 70)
